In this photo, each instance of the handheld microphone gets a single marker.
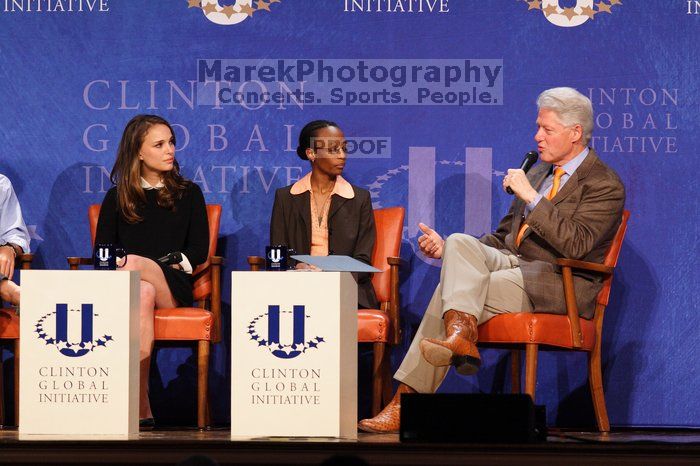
(529, 160)
(170, 259)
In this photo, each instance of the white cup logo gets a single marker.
(222, 18)
(559, 19)
(275, 255)
(103, 254)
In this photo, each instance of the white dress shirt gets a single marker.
(12, 227)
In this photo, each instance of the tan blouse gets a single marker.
(319, 220)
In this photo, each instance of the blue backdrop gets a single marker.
(74, 78)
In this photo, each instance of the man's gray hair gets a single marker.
(572, 108)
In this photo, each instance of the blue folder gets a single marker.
(336, 263)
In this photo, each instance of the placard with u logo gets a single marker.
(80, 347)
(293, 354)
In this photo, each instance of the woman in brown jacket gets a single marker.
(322, 213)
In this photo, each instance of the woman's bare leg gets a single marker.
(154, 293)
(148, 296)
(152, 273)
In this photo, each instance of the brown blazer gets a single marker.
(578, 223)
(351, 231)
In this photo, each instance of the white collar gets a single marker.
(146, 185)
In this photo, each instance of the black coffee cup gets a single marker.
(276, 258)
(105, 256)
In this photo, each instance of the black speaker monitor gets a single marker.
(471, 418)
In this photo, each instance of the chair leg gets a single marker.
(207, 414)
(515, 371)
(531, 350)
(378, 377)
(17, 382)
(595, 381)
(202, 382)
(2, 393)
(386, 377)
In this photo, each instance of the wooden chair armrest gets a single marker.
(24, 261)
(394, 299)
(572, 307)
(213, 265)
(395, 261)
(570, 295)
(256, 263)
(591, 266)
(215, 299)
(75, 262)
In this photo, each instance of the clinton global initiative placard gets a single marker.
(294, 365)
(80, 331)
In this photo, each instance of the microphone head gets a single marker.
(530, 159)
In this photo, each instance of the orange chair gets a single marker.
(9, 330)
(381, 327)
(560, 332)
(201, 324)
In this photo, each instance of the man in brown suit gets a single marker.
(569, 206)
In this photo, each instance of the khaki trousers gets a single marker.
(475, 279)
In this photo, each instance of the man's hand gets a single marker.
(7, 261)
(518, 182)
(430, 242)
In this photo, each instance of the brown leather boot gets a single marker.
(389, 419)
(459, 347)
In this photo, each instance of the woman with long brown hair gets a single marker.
(153, 212)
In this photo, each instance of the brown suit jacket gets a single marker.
(578, 223)
(351, 231)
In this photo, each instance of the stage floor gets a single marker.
(173, 446)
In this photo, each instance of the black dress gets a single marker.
(184, 228)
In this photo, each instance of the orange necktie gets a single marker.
(558, 173)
